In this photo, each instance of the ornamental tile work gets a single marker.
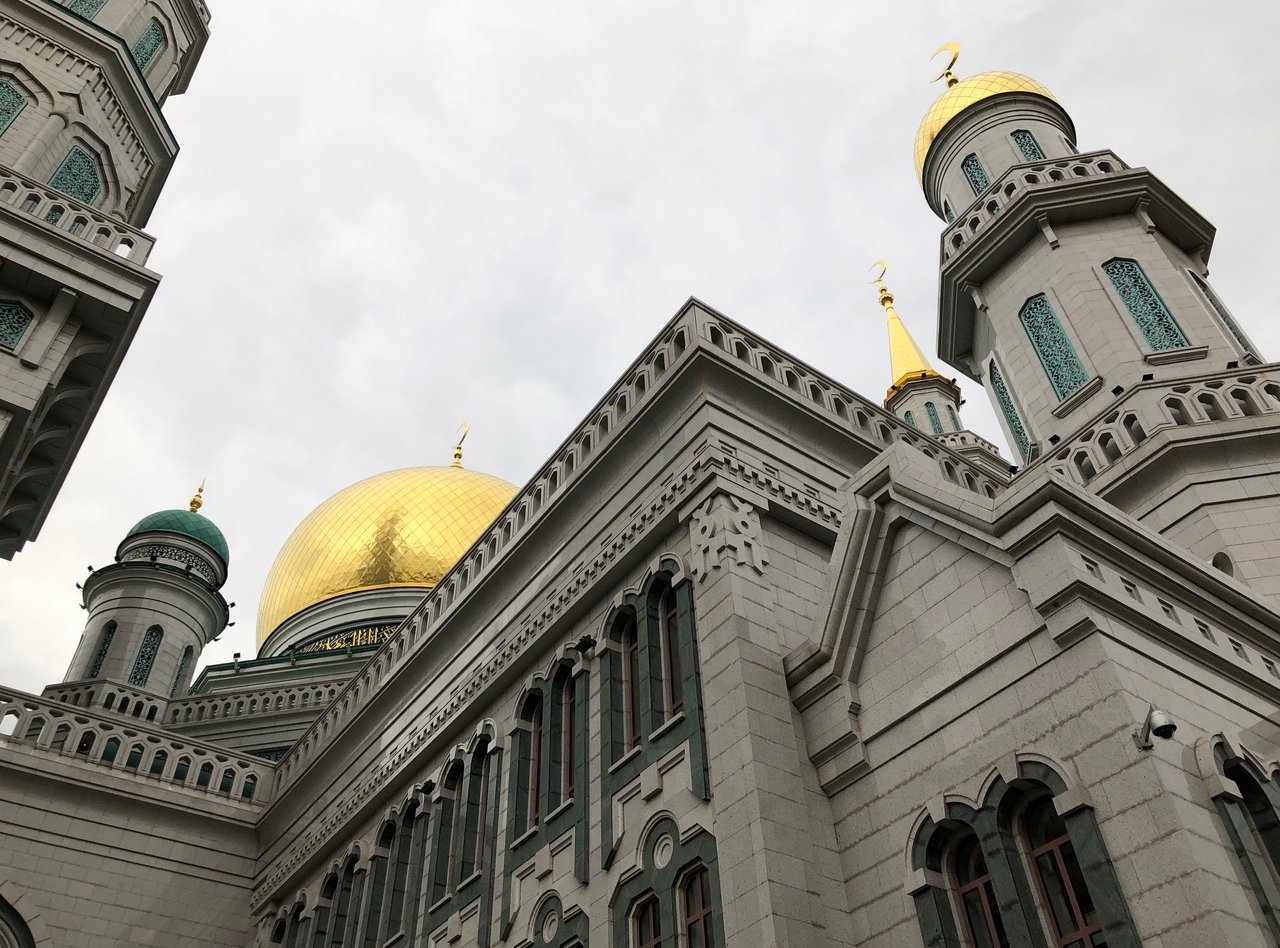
(182, 668)
(947, 212)
(12, 102)
(78, 176)
(146, 657)
(148, 44)
(1049, 339)
(186, 557)
(934, 421)
(1154, 320)
(1212, 299)
(976, 174)
(14, 320)
(910, 419)
(86, 8)
(1027, 145)
(104, 643)
(1010, 412)
(955, 419)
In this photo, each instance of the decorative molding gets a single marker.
(725, 529)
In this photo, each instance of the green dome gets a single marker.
(188, 524)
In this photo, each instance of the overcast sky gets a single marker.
(387, 218)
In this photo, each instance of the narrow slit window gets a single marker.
(1005, 400)
(975, 173)
(1216, 305)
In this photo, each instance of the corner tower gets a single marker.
(84, 153)
(1076, 288)
(150, 615)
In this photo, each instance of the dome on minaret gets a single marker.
(962, 93)
(403, 528)
(189, 523)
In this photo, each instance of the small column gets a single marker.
(53, 127)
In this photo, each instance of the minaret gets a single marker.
(150, 615)
(84, 153)
(1076, 289)
(923, 398)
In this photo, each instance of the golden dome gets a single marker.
(401, 528)
(960, 96)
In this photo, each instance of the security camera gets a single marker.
(1159, 723)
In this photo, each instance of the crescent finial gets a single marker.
(884, 268)
(954, 49)
(463, 430)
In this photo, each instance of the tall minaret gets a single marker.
(84, 154)
(1076, 288)
(923, 398)
(150, 615)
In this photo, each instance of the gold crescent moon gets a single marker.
(463, 430)
(954, 50)
(884, 267)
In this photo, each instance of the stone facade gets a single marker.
(749, 661)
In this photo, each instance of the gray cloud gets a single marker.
(382, 225)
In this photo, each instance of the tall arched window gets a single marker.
(673, 668)
(100, 655)
(12, 102)
(1005, 400)
(695, 902)
(146, 657)
(910, 419)
(975, 173)
(476, 827)
(398, 877)
(78, 176)
(567, 719)
(533, 791)
(1049, 339)
(1216, 304)
(1058, 874)
(976, 895)
(955, 420)
(86, 8)
(378, 878)
(647, 924)
(182, 670)
(947, 212)
(1028, 147)
(1140, 298)
(630, 642)
(148, 44)
(14, 321)
(451, 812)
(935, 422)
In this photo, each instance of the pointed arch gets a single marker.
(146, 656)
(1153, 319)
(1052, 345)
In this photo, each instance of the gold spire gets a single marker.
(906, 361)
(197, 501)
(463, 431)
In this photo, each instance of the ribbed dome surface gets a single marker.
(401, 528)
(963, 94)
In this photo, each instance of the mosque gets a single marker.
(751, 660)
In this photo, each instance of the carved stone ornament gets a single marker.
(724, 530)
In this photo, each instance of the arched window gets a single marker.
(398, 878)
(14, 932)
(99, 656)
(1028, 147)
(566, 736)
(86, 8)
(647, 924)
(975, 173)
(182, 670)
(673, 668)
(1254, 831)
(947, 212)
(1216, 304)
(910, 419)
(12, 102)
(1057, 872)
(1005, 401)
(955, 421)
(78, 176)
(452, 810)
(14, 320)
(1153, 318)
(695, 901)
(935, 422)
(476, 827)
(1049, 339)
(378, 878)
(146, 657)
(976, 895)
(532, 788)
(148, 44)
(630, 642)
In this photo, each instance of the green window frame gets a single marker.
(12, 102)
(15, 320)
(147, 45)
(975, 173)
(78, 176)
(1050, 341)
(1152, 317)
(1005, 401)
(146, 657)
